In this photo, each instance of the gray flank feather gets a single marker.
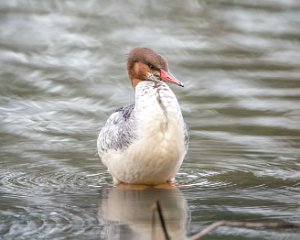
(186, 135)
(118, 132)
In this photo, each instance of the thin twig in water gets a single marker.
(162, 220)
(215, 225)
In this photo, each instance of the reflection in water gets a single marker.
(127, 214)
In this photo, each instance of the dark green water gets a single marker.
(62, 73)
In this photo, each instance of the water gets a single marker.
(63, 73)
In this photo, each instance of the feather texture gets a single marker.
(145, 142)
(118, 132)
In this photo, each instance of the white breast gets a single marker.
(157, 154)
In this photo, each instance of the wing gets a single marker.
(118, 132)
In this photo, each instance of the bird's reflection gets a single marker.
(128, 215)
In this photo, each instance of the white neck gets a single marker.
(156, 108)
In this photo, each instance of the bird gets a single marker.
(145, 142)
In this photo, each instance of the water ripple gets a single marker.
(51, 223)
(47, 183)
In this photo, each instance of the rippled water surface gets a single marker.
(63, 73)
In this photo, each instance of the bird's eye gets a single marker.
(151, 67)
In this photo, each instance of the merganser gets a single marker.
(145, 143)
